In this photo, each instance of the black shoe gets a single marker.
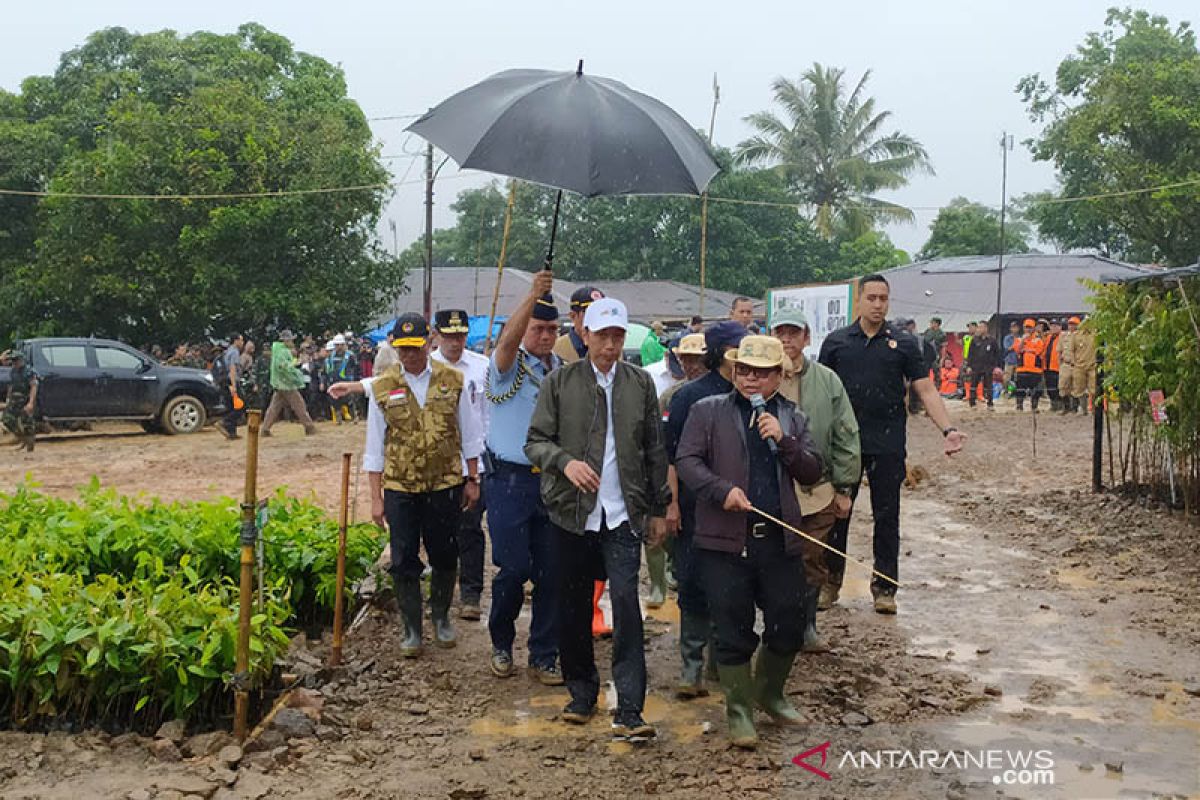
(502, 664)
(629, 726)
(578, 712)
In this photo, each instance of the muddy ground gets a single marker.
(1035, 617)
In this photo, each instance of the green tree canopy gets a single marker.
(964, 228)
(158, 114)
(1122, 115)
(832, 151)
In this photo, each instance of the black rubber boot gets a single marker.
(408, 597)
(441, 590)
(693, 636)
(813, 643)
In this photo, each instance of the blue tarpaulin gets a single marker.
(475, 338)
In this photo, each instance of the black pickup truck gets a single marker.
(100, 379)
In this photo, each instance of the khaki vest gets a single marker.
(423, 447)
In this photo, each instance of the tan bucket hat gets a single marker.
(758, 351)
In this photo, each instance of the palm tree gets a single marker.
(829, 148)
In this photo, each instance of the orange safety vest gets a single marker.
(1052, 349)
(1029, 352)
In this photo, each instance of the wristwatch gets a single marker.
(472, 479)
(845, 491)
(948, 431)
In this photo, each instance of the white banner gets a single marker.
(826, 306)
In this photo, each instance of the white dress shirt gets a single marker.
(474, 368)
(610, 504)
(660, 371)
(469, 427)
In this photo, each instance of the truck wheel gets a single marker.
(183, 414)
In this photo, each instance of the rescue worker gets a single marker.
(695, 624)
(524, 543)
(740, 451)
(1030, 350)
(1083, 367)
(420, 428)
(1066, 384)
(818, 392)
(451, 326)
(571, 347)
(1050, 374)
(339, 366)
(596, 434)
(22, 401)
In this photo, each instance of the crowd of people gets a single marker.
(583, 460)
(1051, 358)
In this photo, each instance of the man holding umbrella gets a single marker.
(596, 435)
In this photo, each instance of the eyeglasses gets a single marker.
(746, 371)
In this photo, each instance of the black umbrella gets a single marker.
(593, 136)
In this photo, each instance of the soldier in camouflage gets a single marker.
(22, 401)
(421, 427)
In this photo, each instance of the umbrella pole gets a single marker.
(554, 229)
(508, 213)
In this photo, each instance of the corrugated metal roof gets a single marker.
(471, 288)
(964, 288)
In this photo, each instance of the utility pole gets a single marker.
(429, 233)
(1006, 144)
(704, 197)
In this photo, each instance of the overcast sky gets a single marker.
(945, 68)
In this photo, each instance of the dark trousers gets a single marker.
(885, 471)
(230, 421)
(690, 583)
(763, 576)
(1029, 384)
(584, 559)
(1051, 381)
(524, 548)
(470, 553)
(429, 517)
(980, 379)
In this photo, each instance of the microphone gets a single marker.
(760, 405)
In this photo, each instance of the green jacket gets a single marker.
(285, 375)
(570, 422)
(819, 393)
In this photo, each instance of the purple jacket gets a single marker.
(712, 459)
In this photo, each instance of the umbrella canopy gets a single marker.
(588, 135)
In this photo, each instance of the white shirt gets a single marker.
(661, 373)
(610, 504)
(469, 428)
(474, 368)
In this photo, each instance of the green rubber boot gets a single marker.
(770, 673)
(738, 685)
(656, 565)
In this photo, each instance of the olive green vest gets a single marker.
(423, 447)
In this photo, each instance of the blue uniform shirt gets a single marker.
(512, 411)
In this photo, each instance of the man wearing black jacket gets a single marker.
(743, 451)
(982, 361)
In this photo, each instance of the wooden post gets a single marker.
(508, 214)
(339, 601)
(249, 534)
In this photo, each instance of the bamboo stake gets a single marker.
(249, 533)
(508, 214)
(339, 599)
(831, 549)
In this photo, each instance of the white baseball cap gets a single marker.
(339, 339)
(607, 312)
